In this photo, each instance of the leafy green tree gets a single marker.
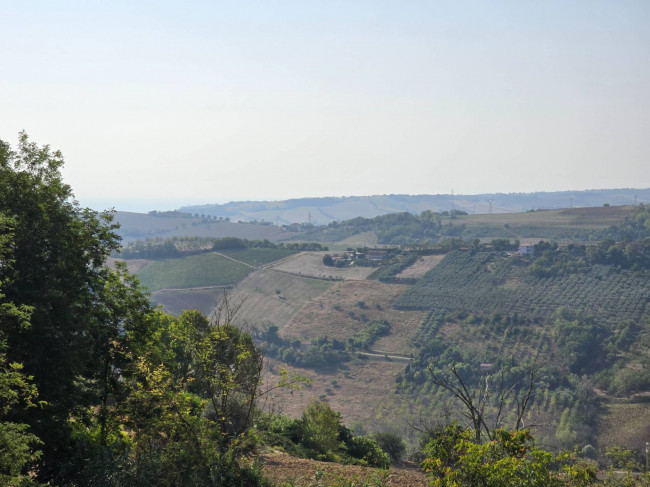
(391, 443)
(510, 459)
(18, 446)
(321, 428)
(86, 321)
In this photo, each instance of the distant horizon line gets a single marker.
(139, 205)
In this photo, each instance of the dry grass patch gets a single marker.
(363, 239)
(346, 308)
(624, 424)
(311, 264)
(355, 389)
(423, 265)
(270, 296)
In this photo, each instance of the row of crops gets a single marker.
(485, 282)
(196, 271)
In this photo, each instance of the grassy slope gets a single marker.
(196, 271)
(261, 302)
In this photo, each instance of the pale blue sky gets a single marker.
(200, 102)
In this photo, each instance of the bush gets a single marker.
(391, 443)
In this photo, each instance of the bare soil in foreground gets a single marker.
(285, 470)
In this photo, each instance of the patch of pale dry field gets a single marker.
(423, 265)
(355, 389)
(347, 308)
(311, 264)
(270, 296)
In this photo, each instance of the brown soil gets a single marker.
(283, 469)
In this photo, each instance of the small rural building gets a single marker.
(376, 255)
(526, 249)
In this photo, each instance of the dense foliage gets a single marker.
(320, 434)
(96, 387)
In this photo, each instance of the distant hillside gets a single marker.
(135, 226)
(326, 210)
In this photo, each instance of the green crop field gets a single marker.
(257, 256)
(196, 271)
(483, 282)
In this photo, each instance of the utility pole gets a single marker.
(491, 200)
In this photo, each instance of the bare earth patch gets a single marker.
(283, 469)
(311, 264)
(355, 389)
(423, 265)
(347, 308)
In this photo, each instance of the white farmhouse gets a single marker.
(526, 249)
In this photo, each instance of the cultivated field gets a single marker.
(363, 239)
(132, 265)
(263, 303)
(564, 226)
(348, 307)
(423, 265)
(204, 270)
(176, 301)
(311, 264)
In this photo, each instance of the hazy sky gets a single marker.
(208, 101)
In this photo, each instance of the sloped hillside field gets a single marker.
(205, 270)
(483, 282)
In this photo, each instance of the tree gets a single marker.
(321, 428)
(509, 460)
(18, 447)
(202, 386)
(82, 313)
(483, 404)
(391, 443)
